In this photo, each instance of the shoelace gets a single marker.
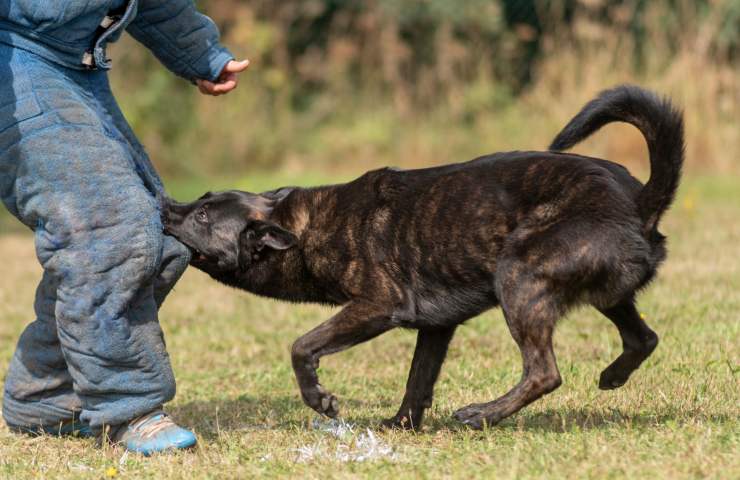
(151, 424)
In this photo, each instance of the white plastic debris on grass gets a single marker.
(80, 467)
(352, 446)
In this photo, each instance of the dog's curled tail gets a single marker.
(661, 124)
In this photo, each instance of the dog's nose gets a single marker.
(173, 213)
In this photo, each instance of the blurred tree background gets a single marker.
(341, 86)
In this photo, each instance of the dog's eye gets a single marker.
(201, 215)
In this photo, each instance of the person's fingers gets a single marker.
(226, 82)
(225, 86)
(209, 88)
(225, 77)
(201, 87)
(236, 67)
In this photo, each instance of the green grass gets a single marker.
(676, 418)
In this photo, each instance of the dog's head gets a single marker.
(226, 231)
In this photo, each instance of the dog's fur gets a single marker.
(534, 232)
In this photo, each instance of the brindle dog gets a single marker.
(534, 232)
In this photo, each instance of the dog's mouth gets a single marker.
(197, 257)
(207, 263)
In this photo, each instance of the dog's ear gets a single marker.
(268, 234)
(259, 234)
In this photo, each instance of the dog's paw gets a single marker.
(470, 415)
(477, 416)
(612, 378)
(321, 400)
(402, 422)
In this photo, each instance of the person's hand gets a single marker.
(226, 82)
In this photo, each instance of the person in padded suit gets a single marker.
(94, 361)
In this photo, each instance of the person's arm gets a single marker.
(187, 43)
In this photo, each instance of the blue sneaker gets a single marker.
(152, 433)
(68, 428)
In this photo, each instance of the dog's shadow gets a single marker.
(246, 413)
(213, 417)
(583, 419)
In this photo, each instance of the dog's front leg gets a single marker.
(431, 350)
(358, 322)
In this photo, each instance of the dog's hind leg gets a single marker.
(638, 342)
(531, 310)
(431, 350)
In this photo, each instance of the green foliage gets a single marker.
(356, 84)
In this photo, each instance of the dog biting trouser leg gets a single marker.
(71, 170)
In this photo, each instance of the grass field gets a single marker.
(678, 417)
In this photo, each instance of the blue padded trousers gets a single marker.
(72, 170)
